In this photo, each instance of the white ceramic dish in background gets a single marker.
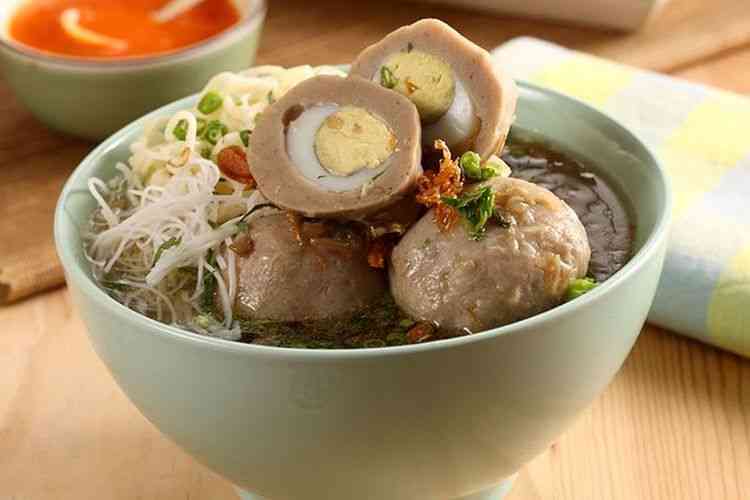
(619, 14)
(443, 420)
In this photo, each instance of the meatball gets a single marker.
(298, 270)
(334, 147)
(517, 269)
(462, 96)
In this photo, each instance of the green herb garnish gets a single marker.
(114, 286)
(269, 97)
(209, 284)
(396, 338)
(579, 287)
(471, 165)
(256, 207)
(180, 130)
(245, 136)
(210, 103)
(203, 320)
(215, 130)
(493, 167)
(387, 78)
(206, 153)
(406, 323)
(476, 207)
(171, 242)
(201, 126)
(374, 343)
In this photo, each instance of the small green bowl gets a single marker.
(92, 98)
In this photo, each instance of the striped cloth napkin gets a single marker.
(702, 136)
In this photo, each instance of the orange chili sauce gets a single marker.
(36, 23)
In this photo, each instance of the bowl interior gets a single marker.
(615, 153)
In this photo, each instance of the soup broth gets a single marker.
(602, 212)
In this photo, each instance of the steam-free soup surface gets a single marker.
(602, 212)
(127, 26)
(598, 206)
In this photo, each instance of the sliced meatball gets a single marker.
(337, 148)
(295, 270)
(462, 97)
(519, 268)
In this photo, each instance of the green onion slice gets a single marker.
(579, 287)
(180, 130)
(210, 102)
(215, 130)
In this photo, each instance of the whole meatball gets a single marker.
(518, 269)
(299, 270)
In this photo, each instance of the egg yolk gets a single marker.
(425, 79)
(351, 139)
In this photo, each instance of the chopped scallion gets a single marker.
(374, 343)
(115, 286)
(215, 130)
(494, 166)
(471, 164)
(180, 130)
(255, 208)
(387, 78)
(579, 287)
(171, 242)
(476, 207)
(201, 126)
(245, 136)
(209, 284)
(210, 102)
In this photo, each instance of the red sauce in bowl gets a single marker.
(128, 26)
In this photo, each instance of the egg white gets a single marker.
(457, 124)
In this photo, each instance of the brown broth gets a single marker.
(600, 209)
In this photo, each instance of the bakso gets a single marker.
(462, 97)
(337, 147)
(532, 248)
(291, 269)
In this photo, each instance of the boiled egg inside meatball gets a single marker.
(462, 98)
(337, 147)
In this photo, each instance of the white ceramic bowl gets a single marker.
(442, 420)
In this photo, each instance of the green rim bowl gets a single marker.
(93, 98)
(441, 420)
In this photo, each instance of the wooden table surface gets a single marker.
(674, 424)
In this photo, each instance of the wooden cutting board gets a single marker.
(34, 161)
